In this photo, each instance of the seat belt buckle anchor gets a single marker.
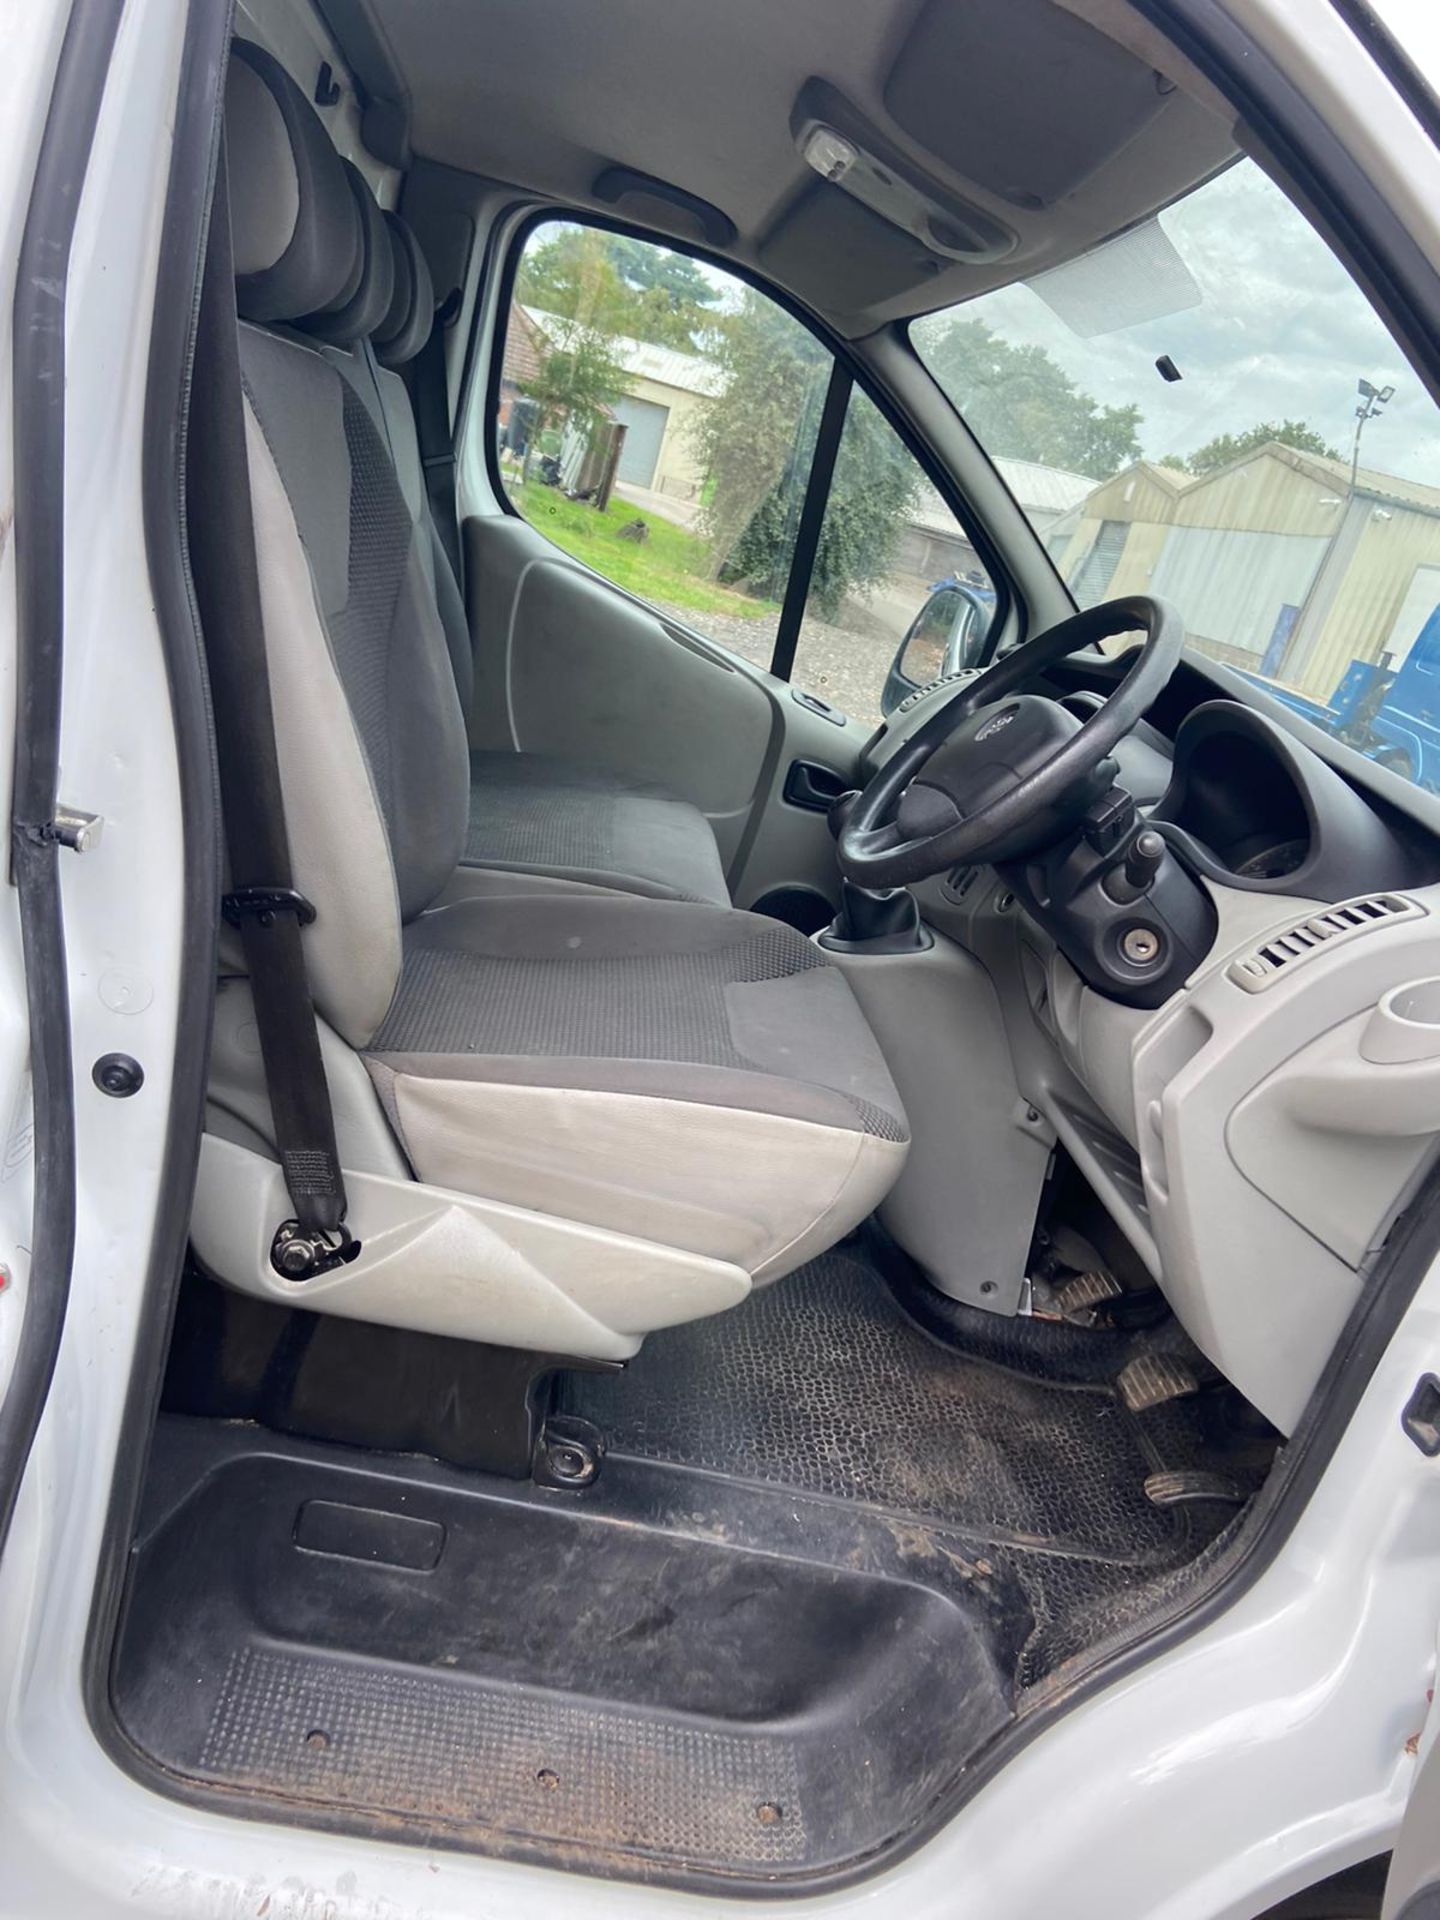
(300, 1253)
(263, 903)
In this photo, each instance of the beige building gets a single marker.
(666, 389)
(1279, 566)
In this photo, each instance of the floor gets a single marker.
(827, 1560)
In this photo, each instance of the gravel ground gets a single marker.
(844, 667)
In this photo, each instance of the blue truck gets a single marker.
(1391, 714)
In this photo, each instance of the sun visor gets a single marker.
(1135, 277)
(1028, 126)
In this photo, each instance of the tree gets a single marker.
(686, 289)
(572, 275)
(1023, 405)
(579, 379)
(871, 497)
(1226, 447)
(753, 440)
(617, 285)
(757, 440)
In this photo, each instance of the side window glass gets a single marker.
(899, 597)
(657, 420)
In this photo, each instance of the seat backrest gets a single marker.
(372, 368)
(369, 729)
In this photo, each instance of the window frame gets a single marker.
(845, 362)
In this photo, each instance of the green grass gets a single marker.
(672, 566)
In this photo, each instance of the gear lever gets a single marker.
(875, 922)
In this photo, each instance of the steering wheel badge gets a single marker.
(1003, 719)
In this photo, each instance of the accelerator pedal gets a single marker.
(1153, 1378)
(1191, 1487)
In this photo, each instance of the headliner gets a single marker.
(543, 94)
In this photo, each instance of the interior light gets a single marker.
(828, 153)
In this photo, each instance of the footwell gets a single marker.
(826, 1563)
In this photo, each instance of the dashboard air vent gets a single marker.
(1282, 951)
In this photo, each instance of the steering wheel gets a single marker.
(989, 778)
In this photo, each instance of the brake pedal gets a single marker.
(1153, 1378)
(1191, 1487)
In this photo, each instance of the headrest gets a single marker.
(295, 221)
(361, 308)
(406, 327)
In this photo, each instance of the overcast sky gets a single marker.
(1279, 330)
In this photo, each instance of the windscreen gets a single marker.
(1209, 410)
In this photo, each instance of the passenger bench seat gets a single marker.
(533, 813)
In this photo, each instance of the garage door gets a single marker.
(644, 424)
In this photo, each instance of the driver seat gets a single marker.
(568, 1116)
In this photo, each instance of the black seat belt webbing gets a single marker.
(263, 903)
(430, 398)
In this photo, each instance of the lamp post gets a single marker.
(1373, 400)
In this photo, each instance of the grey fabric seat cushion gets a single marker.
(639, 997)
(679, 1073)
(536, 814)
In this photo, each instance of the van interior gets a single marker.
(846, 1209)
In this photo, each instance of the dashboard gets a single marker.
(1246, 1131)
(1241, 799)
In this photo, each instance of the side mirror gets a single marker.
(946, 637)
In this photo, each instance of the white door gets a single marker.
(644, 424)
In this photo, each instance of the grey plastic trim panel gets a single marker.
(1276, 1154)
(965, 1204)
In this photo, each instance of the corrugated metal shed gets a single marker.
(1044, 493)
(1041, 489)
(1272, 559)
(666, 366)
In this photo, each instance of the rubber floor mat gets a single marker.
(821, 1384)
(827, 1559)
(472, 1756)
(396, 1650)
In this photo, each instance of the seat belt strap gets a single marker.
(263, 903)
(430, 397)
